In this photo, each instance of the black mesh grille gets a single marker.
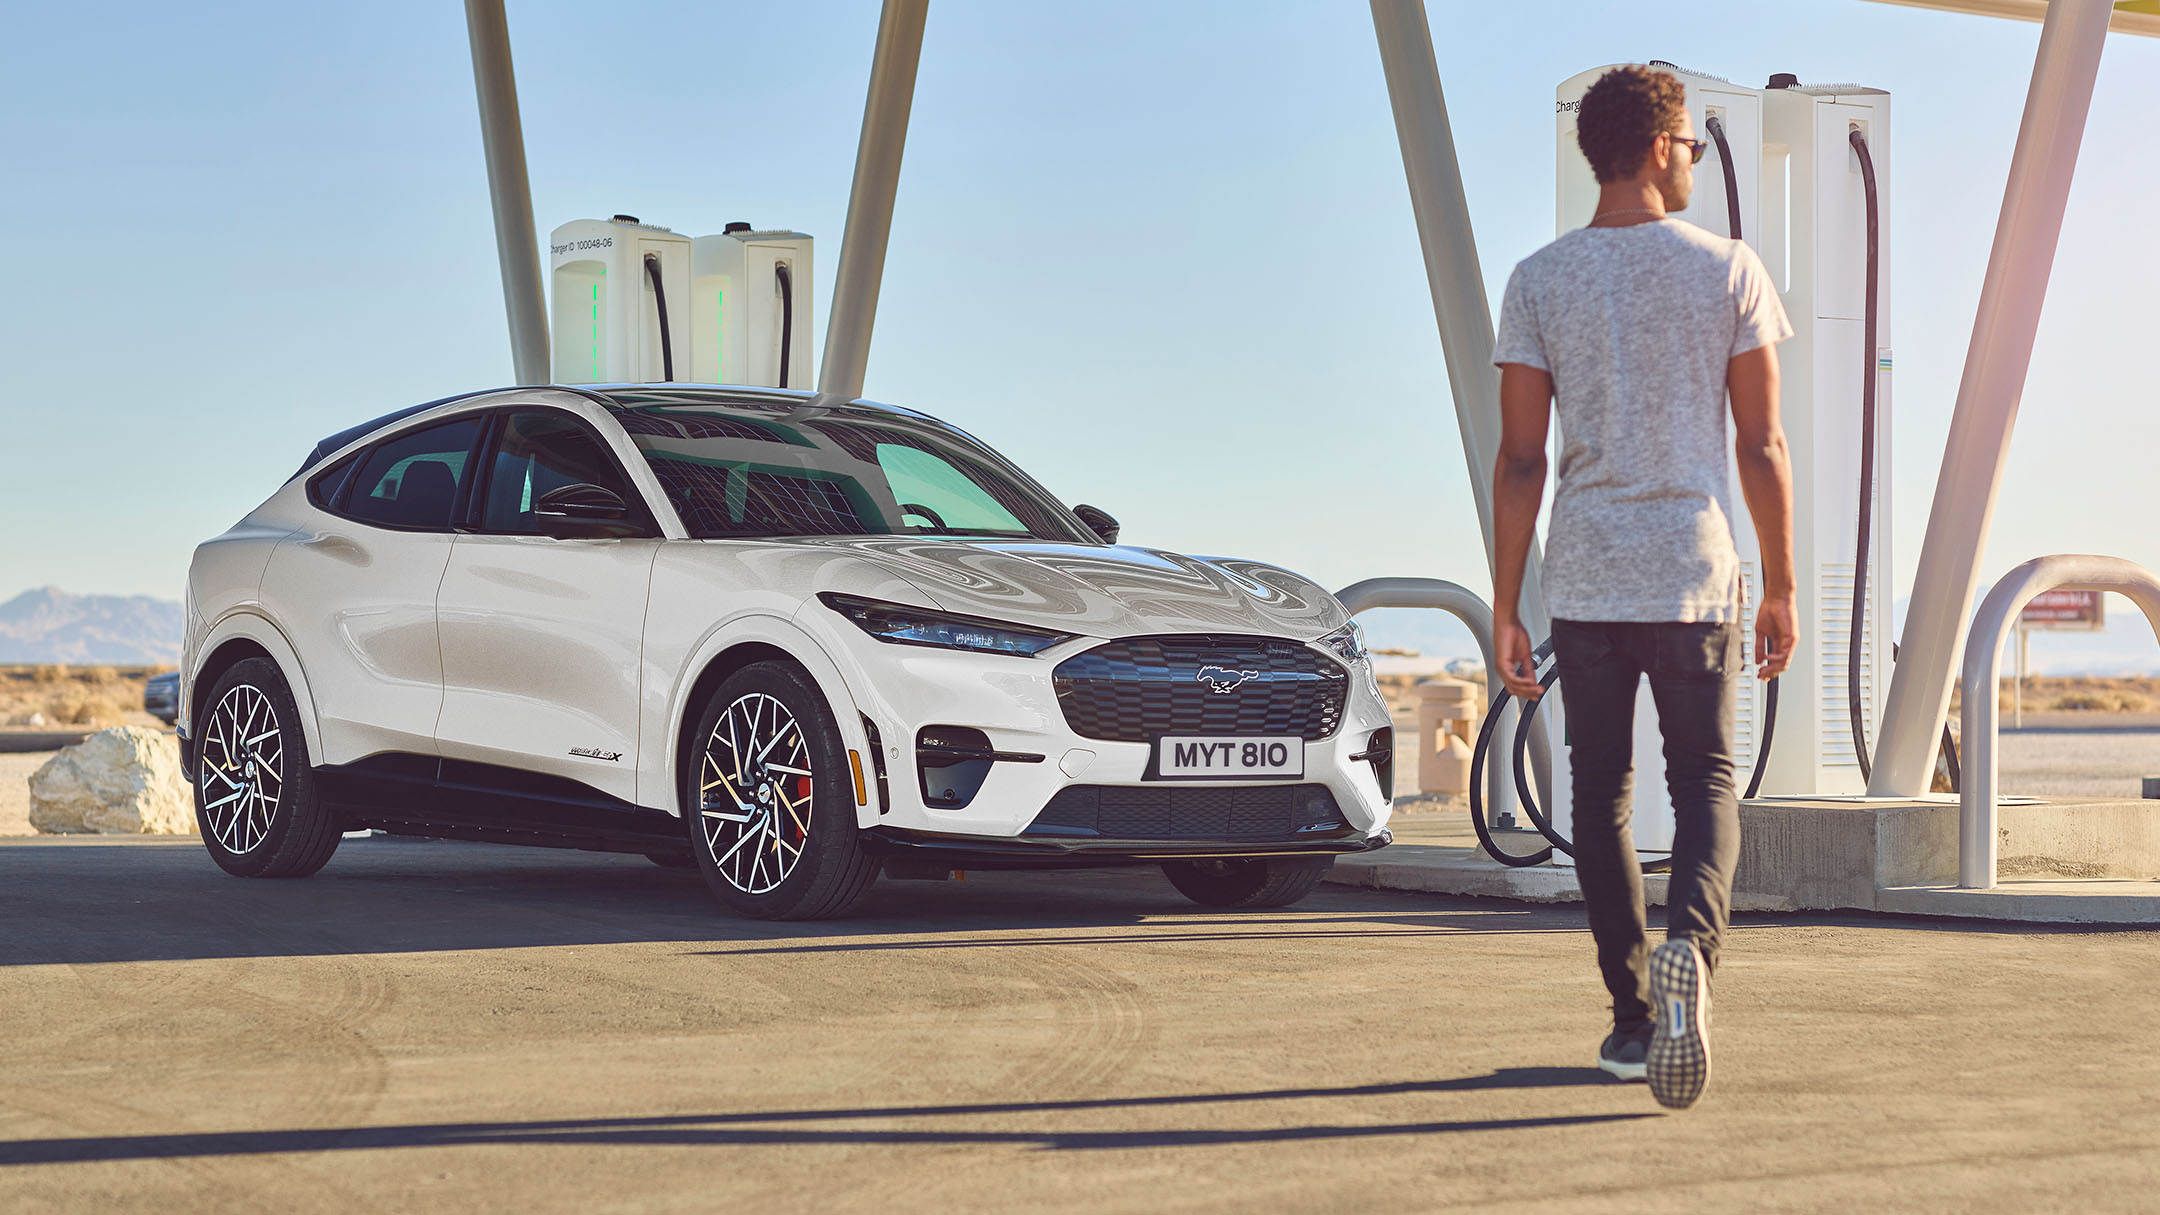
(1256, 815)
(1141, 688)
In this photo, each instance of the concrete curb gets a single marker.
(2067, 862)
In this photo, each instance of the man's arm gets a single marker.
(1518, 491)
(1766, 482)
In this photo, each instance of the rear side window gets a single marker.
(412, 481)
(323, 487)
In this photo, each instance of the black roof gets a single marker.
(618, 397)
(350, 433)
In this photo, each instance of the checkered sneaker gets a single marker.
(1679, 1062)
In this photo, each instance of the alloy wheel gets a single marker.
(243, 769)
(755, 793)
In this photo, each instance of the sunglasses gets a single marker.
(1695, 147)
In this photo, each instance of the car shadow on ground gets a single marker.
(790, 1127)
(131, 900)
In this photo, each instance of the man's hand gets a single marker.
(1775, 635)
(1511, 642)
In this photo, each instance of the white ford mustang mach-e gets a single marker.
(793, 640)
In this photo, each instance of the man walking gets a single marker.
(1637, 329)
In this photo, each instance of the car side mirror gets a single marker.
(585, 512)
(1098, 521)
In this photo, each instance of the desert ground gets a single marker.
(92, 697)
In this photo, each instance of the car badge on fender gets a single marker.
(1222, 679)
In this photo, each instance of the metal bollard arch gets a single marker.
(1465, 605)
(1981, 715)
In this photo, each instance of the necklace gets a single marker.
(1628, 211)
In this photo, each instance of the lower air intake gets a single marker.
(1271, 813)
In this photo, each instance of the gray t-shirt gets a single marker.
(1636, 325)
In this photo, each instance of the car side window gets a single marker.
(541, 451)
(411, 481)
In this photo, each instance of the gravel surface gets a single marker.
(15, 773)
(2057, 763)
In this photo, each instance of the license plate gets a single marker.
(1234, 756)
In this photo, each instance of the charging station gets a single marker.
(1783, 174)
(635, 303)
(619, 290)
(750, 308)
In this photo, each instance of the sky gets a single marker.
(1160, 254)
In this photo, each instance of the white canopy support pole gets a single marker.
(503, 136)
(1451, 262)
(1987, 401)
(870, 200)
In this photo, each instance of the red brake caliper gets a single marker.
(802, 797)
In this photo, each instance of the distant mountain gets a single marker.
(50, 625)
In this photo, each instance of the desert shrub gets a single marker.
(84, 707)
(97, 675)
(2102, 701)
(48, 674)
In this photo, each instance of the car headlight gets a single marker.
(1347, 643)
(903, 625)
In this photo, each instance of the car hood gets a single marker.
(1104, 590)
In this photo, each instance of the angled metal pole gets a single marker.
(516, 244)
(1987, 400)
(870, 200)
(1451, 262)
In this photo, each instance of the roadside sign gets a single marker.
(2064, 612)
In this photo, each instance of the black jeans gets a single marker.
(1694, 671)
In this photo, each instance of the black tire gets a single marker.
(829, 870)
(255, 797)
(672, 860)
(1248, 882)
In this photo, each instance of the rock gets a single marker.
(123, 781)
(34, 720)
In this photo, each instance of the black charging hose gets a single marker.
(1478, 753)
(667, 344)
(1732, 181)
(787, 316)
(1867, 465)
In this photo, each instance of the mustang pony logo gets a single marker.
(1222, 679)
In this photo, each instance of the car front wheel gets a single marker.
(770, 801)
(255, 801)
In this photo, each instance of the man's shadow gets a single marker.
(782, 1127)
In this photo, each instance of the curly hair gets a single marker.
(1622, 113)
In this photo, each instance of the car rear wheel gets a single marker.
(255, 800)
(1248, 882)
(770, 802)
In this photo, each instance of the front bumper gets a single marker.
(1012, 701)
(954, 851)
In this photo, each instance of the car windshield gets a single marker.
(750, 470)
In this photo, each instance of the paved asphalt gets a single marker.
(463, 1027)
